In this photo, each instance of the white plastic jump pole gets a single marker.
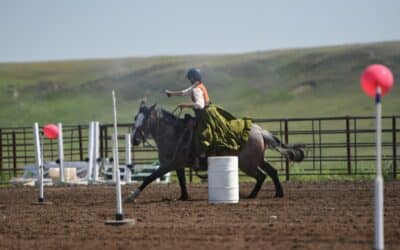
(90, 152)
(96, 149)
(92, 140)
(39, 162)
(128, 158)
(379, 234)
(119, 216)
(61, 152)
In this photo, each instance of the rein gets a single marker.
(180, 112)
(160, 134)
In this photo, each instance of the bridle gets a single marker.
(147, 123)
(143, 128)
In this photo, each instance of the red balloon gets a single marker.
(51, 131)
(376, 75)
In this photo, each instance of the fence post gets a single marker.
(51, 149)
(313, 143)
(14, 150)
(24, 143)
(101, 139)
(394, 147)
(80, 143)
(1, 151)
(348, 145)
(106, 141)
(286, 131)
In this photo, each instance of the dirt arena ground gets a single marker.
(332, 215)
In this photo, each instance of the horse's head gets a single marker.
(143, 122)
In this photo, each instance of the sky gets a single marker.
(43, 30)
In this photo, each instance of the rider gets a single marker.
(216, 129)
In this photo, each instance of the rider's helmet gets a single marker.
(193, 75)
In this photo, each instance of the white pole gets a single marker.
(39, 160)
(379, 234)
(115, 143)
(61, 152)
(119, 215)
(96, 154)
(128, 158)
(90, 152)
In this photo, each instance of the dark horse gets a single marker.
(173, 138)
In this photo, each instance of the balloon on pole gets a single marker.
(51, 131)
(376, 75)
(377, 81)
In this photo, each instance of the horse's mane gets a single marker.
(167, 116)
(171, 119)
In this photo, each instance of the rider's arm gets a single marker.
(186, 91)
(198, 100)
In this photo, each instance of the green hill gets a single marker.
(272, 84)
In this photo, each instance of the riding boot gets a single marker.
(201, 162)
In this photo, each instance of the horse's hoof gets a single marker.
(132, 197)
(279, 195)
(251, 196)
(183, 198)
(130, 200)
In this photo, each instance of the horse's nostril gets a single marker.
(136, 142)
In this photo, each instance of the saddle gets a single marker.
(190, 124)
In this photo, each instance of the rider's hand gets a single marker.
(182, 106)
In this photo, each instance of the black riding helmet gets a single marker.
(193, 75)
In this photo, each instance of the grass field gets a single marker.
(270, 84)
(310, 82)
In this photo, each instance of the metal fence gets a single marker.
(336, 146)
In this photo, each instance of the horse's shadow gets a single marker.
(167, 200)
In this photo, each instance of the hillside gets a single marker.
(272, 84)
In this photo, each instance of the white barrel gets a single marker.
(69, 174)
(223, 179)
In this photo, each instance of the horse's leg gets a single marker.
(182, 183)
(273, 173)
(149, 179)
(260, 177)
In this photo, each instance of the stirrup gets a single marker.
(200, 164)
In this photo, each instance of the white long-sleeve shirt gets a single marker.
(197, 95)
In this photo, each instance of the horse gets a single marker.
(173, 138)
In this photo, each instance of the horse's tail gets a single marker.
(292, 152)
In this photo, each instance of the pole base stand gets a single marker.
(41, 201)
(119, 220)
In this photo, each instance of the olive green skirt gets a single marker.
(218, 130)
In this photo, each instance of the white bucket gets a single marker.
(69, 174)
(223, 179)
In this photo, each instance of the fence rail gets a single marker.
(337, 145)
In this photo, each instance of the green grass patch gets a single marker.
(271, 84)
